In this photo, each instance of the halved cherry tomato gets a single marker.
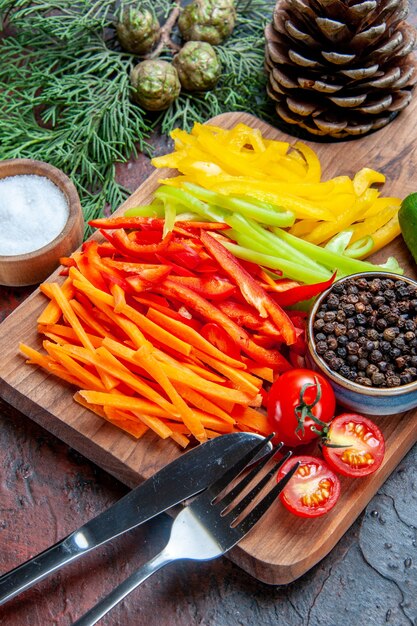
(314, 488)
(354, 445)
(300, 404)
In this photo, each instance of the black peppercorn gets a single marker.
(332, 343)
(352, 359)
(352, 334)
(399, 342)
(339, 330)
(341, 316)
(349, 309)
(378, 379)
(329, 355)
(375, 356)
(390, 333)
(352, 347)
(400, 362)
(381, 323)
(345, 371)
(321, 347)
(361, 319)
(318, 324)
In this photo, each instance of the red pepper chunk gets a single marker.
(251, 290)
(302, 292)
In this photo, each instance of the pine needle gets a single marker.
(65, 89)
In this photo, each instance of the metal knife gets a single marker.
(190, 473)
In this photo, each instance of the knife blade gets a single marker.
(190, 473)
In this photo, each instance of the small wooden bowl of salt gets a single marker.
(41, 220)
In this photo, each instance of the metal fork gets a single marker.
(207, 527)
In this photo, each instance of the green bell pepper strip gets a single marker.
(260, 211)
(289, 269)
(331, 260)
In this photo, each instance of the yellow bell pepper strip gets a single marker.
(242, 135)
(365, 178)
(386, 233)
(379, 205)
(313, 163)
(345, 216)
(371, 224)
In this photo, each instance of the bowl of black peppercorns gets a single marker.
(362, 335)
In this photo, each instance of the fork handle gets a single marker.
(119, 593)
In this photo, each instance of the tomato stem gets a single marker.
(303, 410)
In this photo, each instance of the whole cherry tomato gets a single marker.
(354, 445)
(300, 404)
(314, 488)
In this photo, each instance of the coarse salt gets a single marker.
(33, 211)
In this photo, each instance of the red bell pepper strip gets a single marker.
(210, 312)
(187, 257)
(246, 316)
(216, 335)
(282, 284)
(145, 279)
(142, 237)
(202, 225)
(251, 290)
(114, 223)
(156, 223)
(212, 288)
(178, 270)
(302, 292)
(123, 244)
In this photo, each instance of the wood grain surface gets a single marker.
(282, 547)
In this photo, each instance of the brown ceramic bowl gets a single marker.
(33, 267)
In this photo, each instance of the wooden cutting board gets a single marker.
(282, 547)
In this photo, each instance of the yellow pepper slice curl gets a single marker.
(241, 162)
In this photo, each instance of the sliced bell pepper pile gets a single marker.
(242, 167)
(169, 332)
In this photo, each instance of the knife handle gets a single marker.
(37, 568)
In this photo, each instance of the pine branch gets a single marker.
(65, 89)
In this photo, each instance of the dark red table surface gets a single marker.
(47, 490)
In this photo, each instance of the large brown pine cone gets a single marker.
(340, 67)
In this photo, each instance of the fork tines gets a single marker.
(224, 502)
